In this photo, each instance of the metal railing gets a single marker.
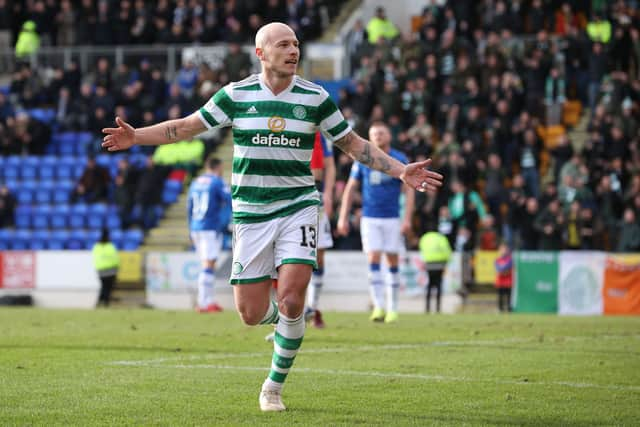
(169, 57)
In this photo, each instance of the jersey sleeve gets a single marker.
(330, 120)
(356, 171)
(218, 112)
(327, 147)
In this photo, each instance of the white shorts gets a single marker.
(381, 235)
(208, 244)
(260, 248)
(325, 240)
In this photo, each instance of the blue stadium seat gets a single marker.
(29, 168)
(116, 237)
(44, 192)
(23, 215)
(66, 143)
(60, 216)
(20, 240)
(44, 115)
(96, 216)
(47, 169)
(24, 195)
(58, 239)
(5, 237)
(113, 222)
(79, 166)
(77, 240)
(131, 239)
(61, 194)
(92, 238)
(39, 240)
(66, 165)
(11, 171)
(78, 215)
(84, 141)
(41, 217)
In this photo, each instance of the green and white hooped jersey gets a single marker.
(273, 138)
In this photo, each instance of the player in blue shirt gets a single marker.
(209, 212)
(380, 228)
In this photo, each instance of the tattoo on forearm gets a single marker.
(171, 132)
(365, 157)
(344, 142)
(385, 165)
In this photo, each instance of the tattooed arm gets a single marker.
(125, 135)
(369, 155)
(415, 174)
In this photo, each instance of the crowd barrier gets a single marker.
(563, 282)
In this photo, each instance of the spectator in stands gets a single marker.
(494, 176)
(148, 194)
(6, 108)
(125, 187)
(65, 24)
(237, 63)
(310, 20)
(598, 66)
(550, 224)
(106, 262)
(28, 41)
(93, 185)
(554, 96)
(187, 78)
(7, 207)
(529, 233)
(599, 29)
(381, 27)
(610, 209)
(629, 235)
(30, 135)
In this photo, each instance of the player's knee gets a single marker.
(250, 316)
(291, 305)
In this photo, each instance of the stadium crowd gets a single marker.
(474, 87)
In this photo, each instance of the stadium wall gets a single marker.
(564, 282)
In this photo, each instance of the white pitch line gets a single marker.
(359, 349)
(439, 378)
(365, 348)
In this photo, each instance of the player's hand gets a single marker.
(405, 228)
(343, 227)
(120, 138)
(327, 200)
(417, 176)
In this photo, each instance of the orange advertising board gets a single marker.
(621, 290)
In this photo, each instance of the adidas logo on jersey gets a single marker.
(252, 110)
(279, 140)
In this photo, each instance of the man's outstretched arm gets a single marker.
(125, 136)
(414, 174)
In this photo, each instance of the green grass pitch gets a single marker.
(143, 367)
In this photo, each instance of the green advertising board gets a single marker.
(536, 282)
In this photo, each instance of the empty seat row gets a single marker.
(30, 192)
(62, 167)
(95, 216)
(65, 239)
